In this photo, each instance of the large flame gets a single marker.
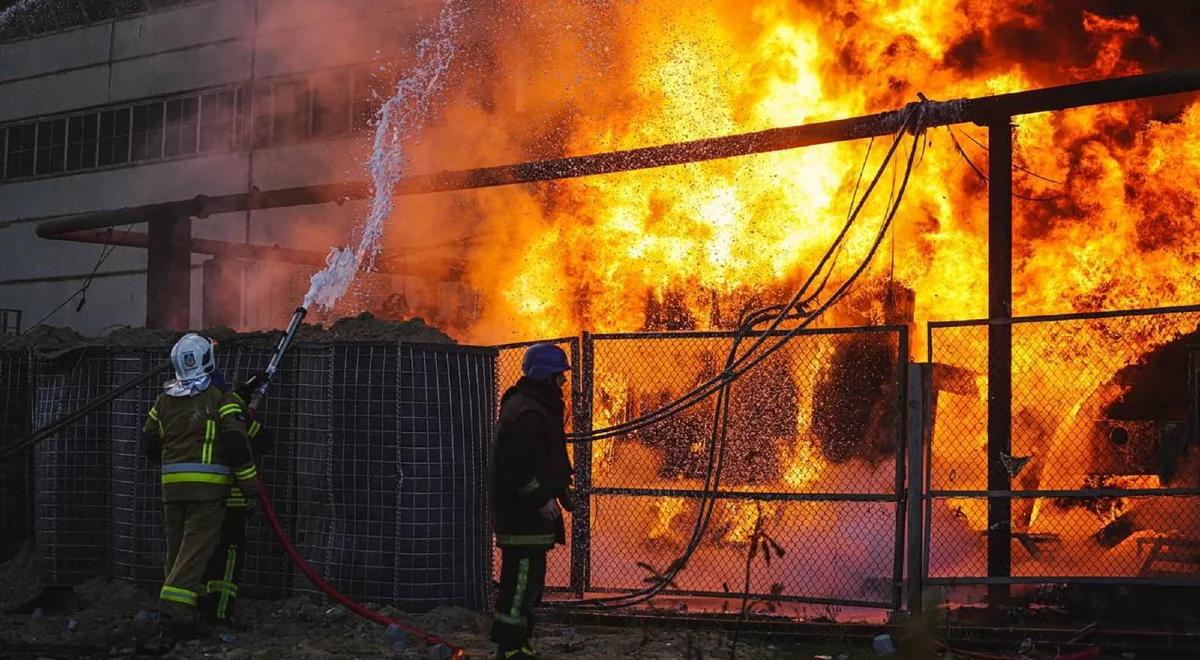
(1112, 221)
(577, 78)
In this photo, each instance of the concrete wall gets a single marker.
(187, 48)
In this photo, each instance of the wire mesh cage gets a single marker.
(1101, 475)
(16, 483)
(72, 467)
(377, 468)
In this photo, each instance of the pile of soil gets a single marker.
(113, 619)
(44, 339)
(366, 327)
(110, 618)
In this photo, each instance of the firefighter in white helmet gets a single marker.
(198, 433)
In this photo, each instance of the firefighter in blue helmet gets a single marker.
(197, 432)
(531, 480)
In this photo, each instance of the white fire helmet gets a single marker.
(192, 357)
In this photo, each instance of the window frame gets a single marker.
(237, 121)
(95, 141)
(7, 315)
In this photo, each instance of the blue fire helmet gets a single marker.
(543, 361)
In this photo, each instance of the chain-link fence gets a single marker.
(16, 482)
(1092, 473)
(812, 466)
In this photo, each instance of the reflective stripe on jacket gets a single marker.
(204, 445)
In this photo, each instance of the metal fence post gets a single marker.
(920, 376)
(581, 528)
(902, 398)
(999, 395)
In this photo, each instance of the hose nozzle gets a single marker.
(276, 357)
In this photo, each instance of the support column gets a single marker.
(918, 403)
(999, 394)
(169, 273)
(581, 519)
(222, 292)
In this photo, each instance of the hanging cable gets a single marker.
(1016, 165)
(736, 366)
(708, 388)
(980, 173)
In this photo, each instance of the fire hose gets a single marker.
(281, 535)
(285, 542)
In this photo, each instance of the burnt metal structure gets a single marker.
(994, 112)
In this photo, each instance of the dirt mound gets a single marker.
(366, 327)
(43, 339)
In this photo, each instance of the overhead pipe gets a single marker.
(390, 263)
(983, 111)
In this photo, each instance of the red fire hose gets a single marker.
(286, 543)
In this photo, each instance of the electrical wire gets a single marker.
(736, 366)
(980, 173)
(1016, 165)
(708, 388)
(105, 253)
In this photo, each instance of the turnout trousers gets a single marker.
(192, 530)
(224, 572)
(522, 580)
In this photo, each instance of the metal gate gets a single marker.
(1087, 476)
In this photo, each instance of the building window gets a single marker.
(114, 137)
(291, 111)
(81, 142)
(19, 154)
(258, 115)
(262, 115)
(331, 105)
(51, 146)
(216, 120)
(10, 321)
(181, 125)
(147, 132)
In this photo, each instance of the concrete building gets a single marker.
(111, 104)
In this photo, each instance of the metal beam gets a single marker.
(939, 113)
(169, 274)
(388, 262)
(999, 384)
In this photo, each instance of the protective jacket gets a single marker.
(202, 444)
(530, 464)
(259, 445)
